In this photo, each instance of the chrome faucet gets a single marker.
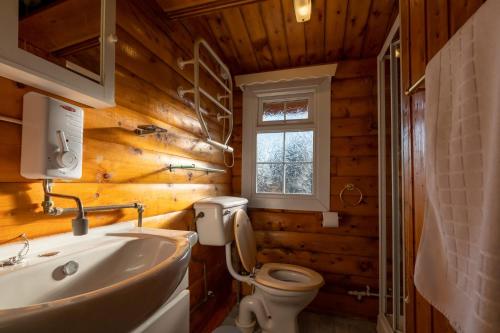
(80, 224)
(19, 258)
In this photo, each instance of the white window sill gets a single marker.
(304, 204)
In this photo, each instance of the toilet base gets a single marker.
(248, 328)
(276, 310)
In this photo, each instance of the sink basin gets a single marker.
(123, 275)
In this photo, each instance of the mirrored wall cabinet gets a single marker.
(63, 47)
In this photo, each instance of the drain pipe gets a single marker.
(208, 293)
(362, 293)
(245, 321)
(238, 277)
(249, 304)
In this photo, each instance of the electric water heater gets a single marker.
(52, 138)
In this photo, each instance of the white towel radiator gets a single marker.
(224, 103)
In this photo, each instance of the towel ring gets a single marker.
(350, 187)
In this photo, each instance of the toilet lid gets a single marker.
(245, 240)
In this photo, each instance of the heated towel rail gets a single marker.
(223, 102)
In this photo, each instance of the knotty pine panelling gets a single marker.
(121, 167)
(426, 25)
(265, 35)
(347, 256)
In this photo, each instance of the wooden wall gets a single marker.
(426, 25)
(347, 257)
(120, 167)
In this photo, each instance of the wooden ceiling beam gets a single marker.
(358, 14)
(258, 35)
(336, 16)
(379, 23)
(315, 34)
(295, 35)
(178, 9)
(239, 34)
(272, 16)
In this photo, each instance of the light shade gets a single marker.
(302, 10)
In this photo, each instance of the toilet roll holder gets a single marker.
(350, 188)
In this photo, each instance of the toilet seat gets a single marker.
(273, 275)
(288, 277)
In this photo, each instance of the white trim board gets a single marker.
(299, 73)
(320, 88)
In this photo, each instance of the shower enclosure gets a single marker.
(391, 265)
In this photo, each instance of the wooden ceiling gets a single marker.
(265, 35)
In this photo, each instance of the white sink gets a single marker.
(124, 274)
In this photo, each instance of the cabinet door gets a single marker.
(62, 47)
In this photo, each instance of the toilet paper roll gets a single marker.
(330, 220)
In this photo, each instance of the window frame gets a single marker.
(319, 92)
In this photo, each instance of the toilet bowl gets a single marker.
(280, 291)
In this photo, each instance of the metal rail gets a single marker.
(415, 86)
(224, 80)
(209, 70)
(134, 205)
(11, 120)
(172, 167)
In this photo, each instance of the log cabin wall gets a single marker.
(121, 167)
(426, 25)
(347, 256)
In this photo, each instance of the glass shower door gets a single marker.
(391, 312)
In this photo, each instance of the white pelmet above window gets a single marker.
(286, 144)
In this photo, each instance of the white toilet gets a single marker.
(281, 291)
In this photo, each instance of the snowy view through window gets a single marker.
(285, 162)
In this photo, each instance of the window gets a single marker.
(286, 145)
(285, 158)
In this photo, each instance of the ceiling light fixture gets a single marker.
(302, 10)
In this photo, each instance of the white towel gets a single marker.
(458, 261)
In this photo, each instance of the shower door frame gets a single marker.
(384, 325)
